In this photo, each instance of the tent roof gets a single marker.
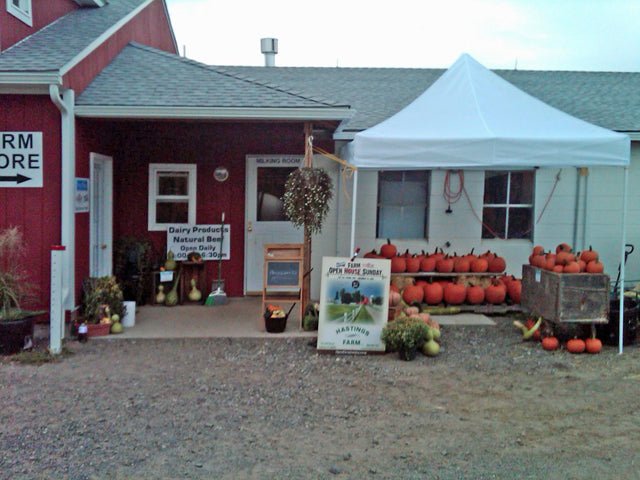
(472, 118)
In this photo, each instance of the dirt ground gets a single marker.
(489, 406)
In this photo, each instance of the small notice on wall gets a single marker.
(203, 239)
(354, 303)
(82, 195)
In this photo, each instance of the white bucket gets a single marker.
(129, 319)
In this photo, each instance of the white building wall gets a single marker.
(462, 230)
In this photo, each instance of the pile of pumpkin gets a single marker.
(471, 290)
(565, 261)
(438, 261)
(531, 330)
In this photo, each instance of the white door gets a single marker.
(101, 215)
(265, 220)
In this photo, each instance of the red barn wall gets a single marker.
(150, 27)
(13, 30)
(209, 145)
(35, 210)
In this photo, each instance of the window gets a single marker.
(20, 9)
(403, 204)
(172, 194)
(508, 204)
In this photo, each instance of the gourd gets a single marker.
(394, 298)
(195, 295)
(388, 250)
(170, 264)
(160, 296)
(431, 348)
(172, 297)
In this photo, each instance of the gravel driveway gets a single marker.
(489, 406)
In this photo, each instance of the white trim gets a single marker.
(107, 225)
(633, 136)
(102, 38)
(31, 78)
(154, 168)
(246, 113)
(40, 89)
(22, 13)
(91, 3)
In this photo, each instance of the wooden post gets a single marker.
(308, 163)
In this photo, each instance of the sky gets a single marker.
(592, 35)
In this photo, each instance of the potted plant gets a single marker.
(102, 302)
(405, 336)
(16, 324)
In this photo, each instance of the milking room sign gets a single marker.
(354, 304)
(20, 159)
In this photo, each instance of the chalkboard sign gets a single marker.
(283, 274)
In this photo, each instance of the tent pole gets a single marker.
(354, 201)
(622, 255)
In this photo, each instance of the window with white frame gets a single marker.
(508, 204)
(21, 9)
(403, 204)
(172, 194)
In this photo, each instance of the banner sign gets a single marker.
(82, 195)
(354, 304)
(203, 239)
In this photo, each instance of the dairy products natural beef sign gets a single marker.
(354, 303)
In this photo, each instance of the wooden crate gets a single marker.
(565, 298)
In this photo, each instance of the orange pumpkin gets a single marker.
(589, 255)
(388, 250)
(372, 254)
(413, 264)
(595, 266)
(455, 294)
(479, 265)
(433, 293)
(538, 250)
(398, 264)
(412, 294)
(558, 268)
(576, 345)
(475, 294)
(462, 265)
(514, 289)
(550, 343)
(495, 293)
(571, 267)
(593, 345)
(497, 264)
(428, 264)
(563, 247)
(444, 265)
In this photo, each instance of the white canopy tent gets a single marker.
(471, 118)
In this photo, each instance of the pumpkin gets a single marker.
(488, 255)
(583, 265)
(514, 290)
(563, 257)
(438, 254)
(475, 294)
(455, 294)
(388, 250)
(497, 264)
(537, 261)
(433, 293)
(394, 298)
(444, 265)
(563, 247)
(394, 288)
(428, 264)
(462, 265)
(412, 294)
(398, 264)
(593, 345)
(558, 268)
(471, 256)
(411, 311)
(479, 265)
(576, 345)
(589, 255)
(495, 293)
(571, 267)
(421, 282)
(413, 264)
(538, 250)
(594, 266)
(550, 343)
(372, 254)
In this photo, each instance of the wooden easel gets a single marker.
(283, 275)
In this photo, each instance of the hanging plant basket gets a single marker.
(308, 192)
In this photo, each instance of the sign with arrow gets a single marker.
(20, 159)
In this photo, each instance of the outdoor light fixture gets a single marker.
(221, 174)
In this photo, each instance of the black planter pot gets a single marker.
(14, 334)
(408, 354)
(275, 325)
(609, 333)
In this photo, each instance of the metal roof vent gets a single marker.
(269, 47)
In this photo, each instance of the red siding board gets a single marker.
(150, 27)
(13, 30)
(35, 210)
